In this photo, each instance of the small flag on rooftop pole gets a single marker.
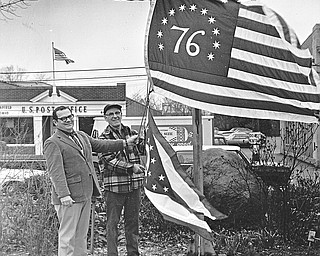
(61, 56)
(169, 188)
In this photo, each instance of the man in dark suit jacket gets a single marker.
(70, 166)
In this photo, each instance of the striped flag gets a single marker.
(230, 58)
(61, 56)
(169, 188)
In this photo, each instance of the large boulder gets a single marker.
(231, 187)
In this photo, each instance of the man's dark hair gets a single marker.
(60, 108)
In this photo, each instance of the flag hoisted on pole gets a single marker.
(169, 188)
(230, 58)
(61, 56)
(58, 56)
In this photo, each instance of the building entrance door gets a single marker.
(86, 124)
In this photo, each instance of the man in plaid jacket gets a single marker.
(123, 179)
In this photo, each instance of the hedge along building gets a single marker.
(26, 111)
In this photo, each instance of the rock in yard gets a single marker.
(231, 187)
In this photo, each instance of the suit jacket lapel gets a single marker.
(66, 139)
(83, 143)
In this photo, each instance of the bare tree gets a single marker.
(8, 8)
(297, 139)
(155, 103)
(41, 77)
(171, 107)
(175, 108)
(12, 74)
(296, 149)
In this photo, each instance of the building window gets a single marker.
(86, 124)
(16, 130)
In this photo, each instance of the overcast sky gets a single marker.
(300, 15)
(100, 34)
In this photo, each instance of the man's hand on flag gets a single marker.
(138, 168)
(132, 140)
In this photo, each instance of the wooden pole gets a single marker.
(93, 205)
(197, 166)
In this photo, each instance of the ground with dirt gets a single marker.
(148, 248)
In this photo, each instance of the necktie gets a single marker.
(75, 138)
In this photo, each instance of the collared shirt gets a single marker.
(118, 166)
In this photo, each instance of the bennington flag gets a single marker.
(230, 58)
(61, 56)
(169, 188)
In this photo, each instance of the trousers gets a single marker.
(73, 229)
(130, 203)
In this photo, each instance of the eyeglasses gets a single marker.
(111, 114)
(65, 118)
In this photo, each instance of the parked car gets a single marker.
(13, 179)
(235, 129)
(219, 140)
(238, 138)
(215, 130)
(13, 174)
(257, 138)
(185, 154)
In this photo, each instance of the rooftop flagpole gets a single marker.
(54, 89)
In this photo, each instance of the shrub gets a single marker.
(155, 228)
(28, 219)
(304, 211)
(152, 225)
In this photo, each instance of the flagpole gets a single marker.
(197, 167)
(54, 89)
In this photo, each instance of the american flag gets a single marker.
(169, 188)
(232, 59)
(61, 56)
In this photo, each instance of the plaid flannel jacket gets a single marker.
(117, 166)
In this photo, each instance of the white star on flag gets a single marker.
(211, 20)
(182, 8)
(193, 8)
(172, 12)
(210, 56)
(204, 11)
(159, 34)
(216, 31)
(164, 21)
(216, 45)
(161, 177)
(161, 47)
